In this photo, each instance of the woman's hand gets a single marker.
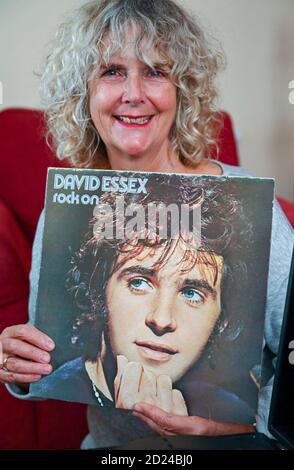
(168, 424)
(24, 354)
(134, 384)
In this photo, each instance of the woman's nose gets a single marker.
(161, 319)
(134, 90)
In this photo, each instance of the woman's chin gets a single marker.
(134, 152)
(133, 148)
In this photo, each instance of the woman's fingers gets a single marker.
(16, 365)
(17, 347)
(2, 358)
(24, 354)
(21, 371)
(11, 377)
(166, 423)
(171, 424)
(152, 424)
(29, 334)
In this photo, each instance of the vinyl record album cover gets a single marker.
(153, 287)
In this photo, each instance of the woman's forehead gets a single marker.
(131, 44)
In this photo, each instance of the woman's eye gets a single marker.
(153, 73)
(192, 295)
(139, 284)
(111, 73)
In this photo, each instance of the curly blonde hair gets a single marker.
(78, 52)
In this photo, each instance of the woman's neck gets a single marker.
(170, 164)
(163, 160)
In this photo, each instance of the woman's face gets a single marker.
(162, 317)
(133, 107)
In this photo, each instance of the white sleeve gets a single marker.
(15, 390)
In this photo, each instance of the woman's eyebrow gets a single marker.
(158, 64)
(137, 269)
(200, 284)
(120, 64)
(110, 64)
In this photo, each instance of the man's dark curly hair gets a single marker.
(225, 231)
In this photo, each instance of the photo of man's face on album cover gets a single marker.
(155, 291)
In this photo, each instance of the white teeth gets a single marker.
(134, 120)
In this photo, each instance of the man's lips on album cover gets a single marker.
(155, 351)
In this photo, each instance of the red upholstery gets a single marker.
(15, 254)
(288, 208)
(228, 152)
(25, 158)
(24, 161)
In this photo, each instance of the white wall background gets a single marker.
(257, 36)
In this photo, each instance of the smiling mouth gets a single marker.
(138, 120)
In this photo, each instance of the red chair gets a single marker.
(288, 208)
(25, 158)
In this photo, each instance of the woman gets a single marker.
(129, 85)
